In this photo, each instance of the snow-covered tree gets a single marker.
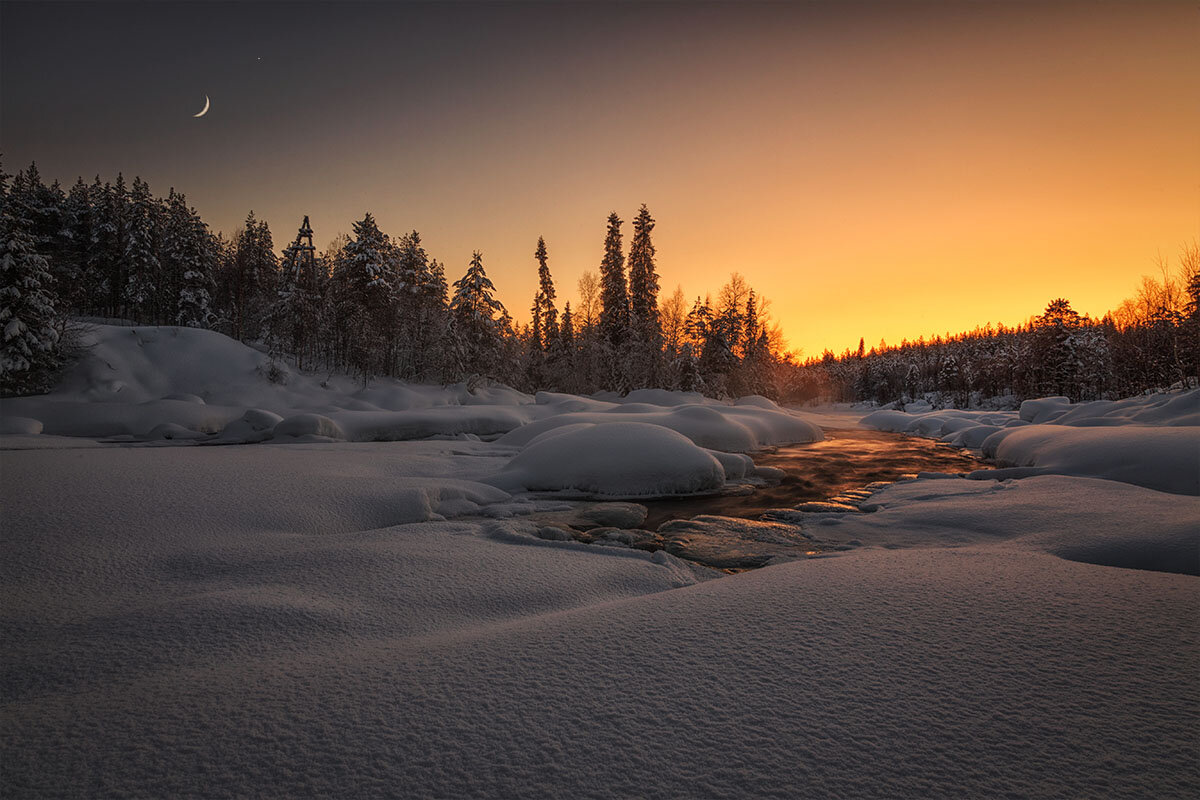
(479, 320)
(293, 320)
(645, 323)
(253, 273)
(614, 293)
(30, 326)
(143, 277)
(545, 313)
(189, 260)
(363, 286)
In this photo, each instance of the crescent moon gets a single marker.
(204, 110)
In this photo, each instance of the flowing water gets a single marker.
(730, 532)
(848, 458)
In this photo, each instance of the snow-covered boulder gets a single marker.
(620, 459)
(170, 431)
(731, 429)
(20, 425)
(308, 425)
(1044, 409)
(256, 425)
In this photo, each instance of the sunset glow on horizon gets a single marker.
(915, 170)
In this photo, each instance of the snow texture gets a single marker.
(309, 617)
(135, 381)
(1151, 441)
(623, 459)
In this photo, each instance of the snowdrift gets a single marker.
(1151, 441)
(619, 460)
(160, 383)
(196, 621)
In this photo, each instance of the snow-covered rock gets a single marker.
(618, 459)
(20, 425)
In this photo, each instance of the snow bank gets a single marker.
(732, 429)
(1163, 458)
(20, 425)
(1151, 441)
(141, 383)
(619, 459)
(1083, 519)
(237, 621)
(133, 380)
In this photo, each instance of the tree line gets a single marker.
(368, 304)
(373, 305)
(1151, 341)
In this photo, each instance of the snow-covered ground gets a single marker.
(1151, 441)
(335, 612)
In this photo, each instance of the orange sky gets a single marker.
(878, 170)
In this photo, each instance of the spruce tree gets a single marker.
(199, 259)
(143, 282)
(365, 298)
(293, 319)
(254, 271)
(30, 326)
(109, 263)
(614, 295)
(643, 280)
(479, 320)
(79, 221)
(544, 300)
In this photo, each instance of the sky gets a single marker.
(876, 170)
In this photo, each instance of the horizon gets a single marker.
(1025, 156)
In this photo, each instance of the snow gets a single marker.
(19, 425)
(307, 636)
(135, 381)
(1151, 441)
(320, 614)
(621, 459)
(1163, 458)
(735, 429)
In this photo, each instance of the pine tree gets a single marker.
(566, 332)
(254, 270)
(293, 319)
(614, 296)
(79, 223)
(421, 309)
(109, 250)
(479, 320)
(200, 257)
(143, 270)
(644, 319)
(543, 326)
(545, 297)
(366, 277)
(697, 324)
(188, 260)
(30, 326)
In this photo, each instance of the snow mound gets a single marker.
(20, 425)
(619, 460)
(1046, 409)
(731, 429)
(169, 431)
(1162, 458)
(1151, 441)
(662, 397)
(256, 425)
(308, 425)
(1094, 521)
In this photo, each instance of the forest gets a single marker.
(372, 304)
